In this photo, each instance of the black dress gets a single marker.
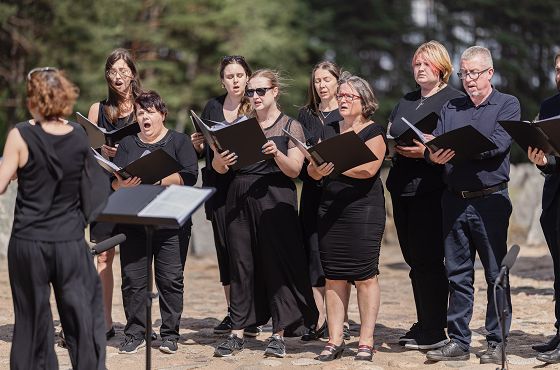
(169, 245)
(216, 206)
(311, 193)
(267, 259)
(48, 236)
(416, 188)
(351, 220)
(100, 231)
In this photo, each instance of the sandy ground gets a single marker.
(533, 319)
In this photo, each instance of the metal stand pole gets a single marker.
(149, 295)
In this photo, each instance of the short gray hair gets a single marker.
(478, 51)
(364, 90)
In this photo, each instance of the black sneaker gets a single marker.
(493, 354)
(252, 331)
(230, 347)
(410, 335)
(224, 327)
(131, 345)
(276, 347)
(452, 351)
(168, 346)
(346, 332)
(425, 341)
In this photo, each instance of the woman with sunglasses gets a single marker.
(416, 188)
(115, 112)
(48, 155)
(227, 108)
(320, 110)
(269, 275)
(352, 220)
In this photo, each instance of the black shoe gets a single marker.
(224, 327)
(424, 341)
(276, 347)
(110, 333)
(252, 331)
(493, 354)
(168, 346)
(410, 335)
(346, 332)
(552, 357)
(364, 348)
(334, 352)
(131, 345)
(313, 334)
(230, 347)
(452, 351)
(551, 345)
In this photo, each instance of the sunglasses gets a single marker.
(40, 69)
(233, 58)
(260, 91)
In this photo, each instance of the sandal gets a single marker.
(364, 348)
(335, 352)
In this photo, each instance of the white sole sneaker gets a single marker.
(142, 345)
(414, 345)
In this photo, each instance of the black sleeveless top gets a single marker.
(48, 197)
(103, 120)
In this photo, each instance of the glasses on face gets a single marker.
(124, 73)
(233, 58)
(473, 75)
(40, 69)
(259, 90)
(347, 97)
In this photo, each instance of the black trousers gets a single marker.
(219, 228)
(33, 267)
(418, 222)
(169, 251)
(550, 223)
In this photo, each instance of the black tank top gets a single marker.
(103, 120)
(48, 197)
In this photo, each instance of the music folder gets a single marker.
(466, 141)
(415, 131)
(543, 134)
(98, 136)
(154, 205)
(345, 151)
(150, 168)
(244, 138)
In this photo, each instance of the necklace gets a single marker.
(325, 115)
(422, 100)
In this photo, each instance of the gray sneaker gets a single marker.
(493, 354)
(168, 346)
(131, 345)
(230, 347)
(276, 347)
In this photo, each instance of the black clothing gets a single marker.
(267, 258)
(215, 207)
(351, 220)
(311, 193)
(550, 108)
(48, 234)
(169, 245)
(416, 187)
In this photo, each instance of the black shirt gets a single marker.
(411, 176)
(313, 125)
(104, 122)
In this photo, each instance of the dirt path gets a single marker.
(533, 320)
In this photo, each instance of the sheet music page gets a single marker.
(106, 164)
(176, 202)
(416, 131)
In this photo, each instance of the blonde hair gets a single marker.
(436, 54)
(275, 81)
(51, 93)
(364, 90)
(481, 52)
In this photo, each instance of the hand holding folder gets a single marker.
(543, 134)
(98, 136)
(467, 142)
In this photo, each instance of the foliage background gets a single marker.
(178, 45)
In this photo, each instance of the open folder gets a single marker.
(150, 168)
(467, 142)
(154, 205)
(425, 126)
(345, 151)
(244, 138)
(543, 134)
(98, 136)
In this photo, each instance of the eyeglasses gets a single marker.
(472, 74)
(233, 58)
(112, 73)
(347, 97)
(40, 69)
(259, 90)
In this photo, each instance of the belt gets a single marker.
(480, 193)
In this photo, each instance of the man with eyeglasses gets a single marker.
(550, 219)
(476, 205)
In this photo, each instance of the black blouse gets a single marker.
(104, 122)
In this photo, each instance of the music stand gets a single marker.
(153, 206)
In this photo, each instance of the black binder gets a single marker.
(98, 136)
(150, 168)
(345, 151)
(543, 134)
(244, 138)
(426, 125)
(466, 141)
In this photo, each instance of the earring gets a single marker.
(223, 86)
